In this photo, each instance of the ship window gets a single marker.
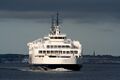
(67, 52)
(71, 52)
(51, 51)
(60, 52)
(67, 46)
(48, 46)
(52, 56)
(75, 52)
(51, 37)
(48, 51)
(40, 51)
(55, 46)
(39, 56)
(44, 51)
(63, 46)
(60, 37)
(63, 52)
(56, 37)
(51, 46)
(59, 46)
(56, 51)
(64, 56)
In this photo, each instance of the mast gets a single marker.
(55, 25)
(57, 19)
(52, 22)
(52, 29)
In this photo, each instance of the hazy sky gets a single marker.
(95, 23)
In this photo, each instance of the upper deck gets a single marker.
(55, 42)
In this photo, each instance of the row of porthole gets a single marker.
(57, 46)
(57, 37)
(75, 52)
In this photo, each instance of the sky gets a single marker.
(95, 23)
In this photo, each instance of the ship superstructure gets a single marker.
(55, 50)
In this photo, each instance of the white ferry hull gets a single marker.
(53, 63)
(72, 67)
(54, 60)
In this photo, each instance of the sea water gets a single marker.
(87, 72)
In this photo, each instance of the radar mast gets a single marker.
(55, 30)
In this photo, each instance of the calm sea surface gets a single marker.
(88, 72)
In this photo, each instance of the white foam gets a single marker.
(60, 69)
(43, 70)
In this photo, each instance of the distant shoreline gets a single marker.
(87, 59)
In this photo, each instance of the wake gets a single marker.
(46, 70)
(36, 70)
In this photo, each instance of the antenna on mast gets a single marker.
(52, 25)
(57, 19)
(52, 21)
(55, 25)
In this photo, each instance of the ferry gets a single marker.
(55, 50)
